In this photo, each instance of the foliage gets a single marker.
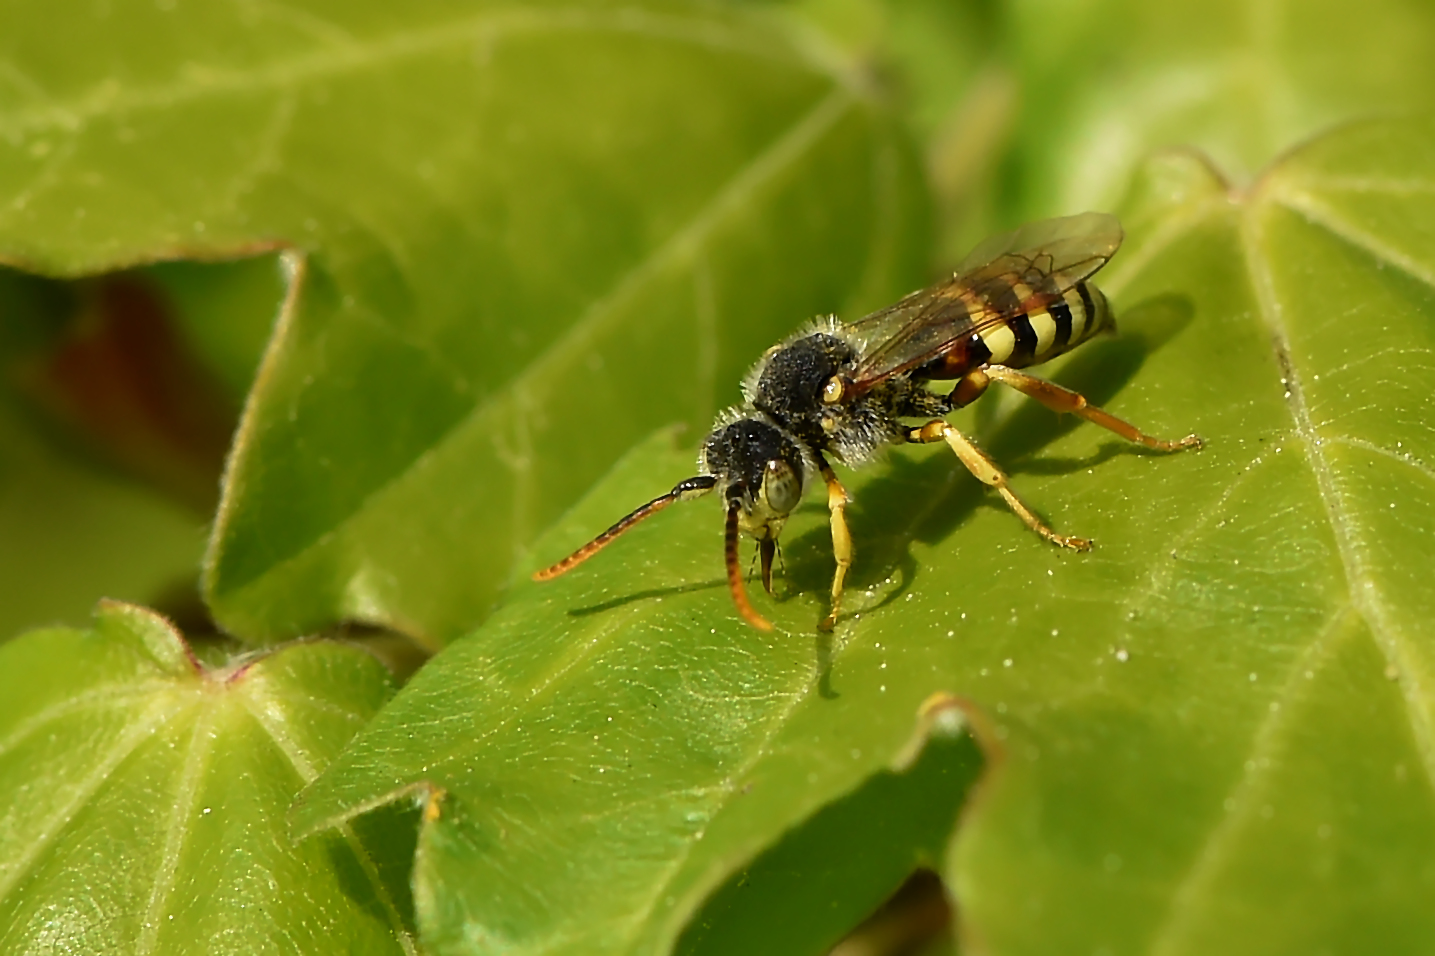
(151, 789)
(499, 246)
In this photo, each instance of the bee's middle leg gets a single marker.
(841, 541)
(988, 472)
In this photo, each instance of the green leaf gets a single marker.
(519, 238)
(1108, 82)
(1253, 772)
(1212, 733)
(602, 764)
(145, 795)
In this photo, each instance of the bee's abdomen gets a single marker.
(1045, 326)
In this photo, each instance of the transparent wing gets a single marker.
(1088, 231)
(1001, 278)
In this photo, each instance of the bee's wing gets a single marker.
(1091, 231)
(1044, 258)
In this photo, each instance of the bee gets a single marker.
(846, 391)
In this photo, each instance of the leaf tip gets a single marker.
(314, 810)
(158, 635)
(943, 715)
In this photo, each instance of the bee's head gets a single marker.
(761, 471)
(759, 465)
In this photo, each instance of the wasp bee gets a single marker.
(844, 390)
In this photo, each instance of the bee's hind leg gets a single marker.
(987, 472)
(1060, 399)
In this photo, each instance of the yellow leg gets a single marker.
(841, 541)
(1060, 399)
(987, 472)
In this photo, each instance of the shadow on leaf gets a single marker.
(814, 885)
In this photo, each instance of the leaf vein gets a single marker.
(177, 832)
(1315, 211)
(100, 696)
(1365, 595)
(13, 870)
(1171, 231)
(1199, 881)
(320, 28)
(266, 153)
(785, 151)
(1369, 184)
(107, 98)
(724, 789)
(1162, 572)
(270, 719)
(1401, 456)
(47, 176)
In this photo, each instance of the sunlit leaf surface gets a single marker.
(1248, 767)
(1212, 733)
(143, 798)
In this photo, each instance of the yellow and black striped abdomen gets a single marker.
(1043, 327)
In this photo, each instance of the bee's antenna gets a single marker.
(682, 491)
(734, 572)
